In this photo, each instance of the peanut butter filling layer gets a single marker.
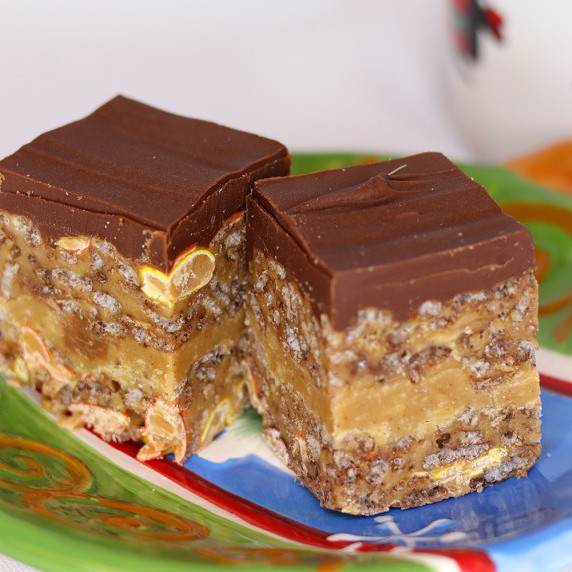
(132, 365)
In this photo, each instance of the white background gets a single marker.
(315, 74)
(366, 75)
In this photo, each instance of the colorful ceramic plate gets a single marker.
(70, 502)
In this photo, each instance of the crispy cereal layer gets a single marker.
(392, 413)
(109, 348)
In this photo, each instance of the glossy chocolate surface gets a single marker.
(388, 235)
(150, 182)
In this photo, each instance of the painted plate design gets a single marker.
(73, 502)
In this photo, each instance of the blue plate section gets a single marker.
(514, 521)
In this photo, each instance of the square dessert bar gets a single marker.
(122, 272)
(392, 317)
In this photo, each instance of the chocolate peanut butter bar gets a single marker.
(122, 272)
(392, 317)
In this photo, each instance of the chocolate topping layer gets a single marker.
(388, 235)
(150, 182)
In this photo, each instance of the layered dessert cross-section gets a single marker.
(392, 315)
(122, 272)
